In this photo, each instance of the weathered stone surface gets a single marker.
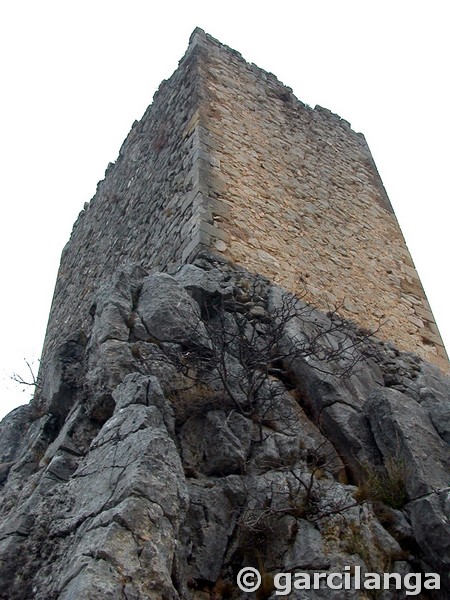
(403, 431)
(306, 206)
(12, 430)
(146, 390)
(332, 375)
(206, 287)
(434, 397)
(227, 160)
(65, 441)
(210, 525)
(351, 435)
(191, 443)
(306, 551)
(430, 522)
(191, 423)
(216, 444)
(63, 373)
(110, 363)
(159, 296)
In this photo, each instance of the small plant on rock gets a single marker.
(386, 485)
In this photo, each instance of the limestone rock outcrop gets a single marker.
(207, 420)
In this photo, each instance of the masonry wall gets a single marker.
(302, 203)
(226, 158)
(144, 211)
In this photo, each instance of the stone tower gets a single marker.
(193, 416)
(226, 158)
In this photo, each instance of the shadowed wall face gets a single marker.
(143, 211)
(306, 206)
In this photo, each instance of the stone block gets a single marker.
(199, 239)
(433, 328)
(412, 288)
(192, 124)
(430, 337)
(213, 231)
(207, 137)
(411, 271)
(424, 313)
(218, 207)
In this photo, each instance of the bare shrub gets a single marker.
(243, 351)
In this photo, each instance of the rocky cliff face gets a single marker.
(207, 420)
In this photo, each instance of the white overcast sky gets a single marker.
(76, 74)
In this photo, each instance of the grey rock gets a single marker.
(111, 324)
(13, 429)
(258, 312)
(396, 523)
(217, 444)
(65, 440)
(63, 376)
(146, 390)
(5, 467)
(60, 468)
(403, 431)
(210, 522)
(95, 580)
(430, 520)
(168, 312)
(106, 494)
(439, 411)
(436, 400)
(384, 540)
(108, 366)
(131, 457)
(114, 304)
(330, 393)
(205, 287)
(349, 431)
(307, 550)
(274, 450)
